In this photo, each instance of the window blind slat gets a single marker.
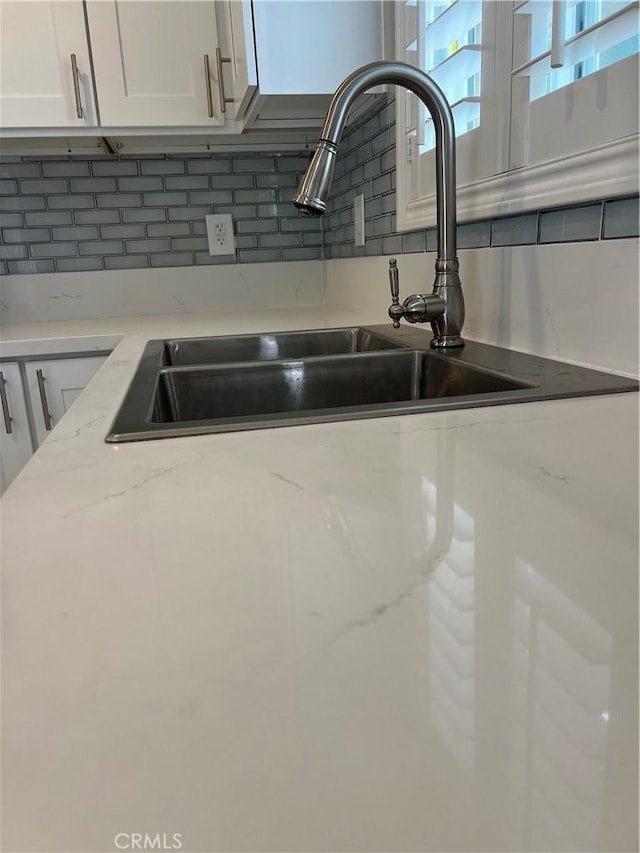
(597, 38)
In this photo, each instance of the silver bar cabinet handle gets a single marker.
(76, 85)
(5, 405)
(223, 98)
(43, 399)
(207, 77)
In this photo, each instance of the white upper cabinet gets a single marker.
(238, 56)
(155, 62)
(185, 67)
(45, 72)
(304, 50)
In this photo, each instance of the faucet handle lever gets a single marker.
(396, 311)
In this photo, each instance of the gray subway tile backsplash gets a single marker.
(79, 264)
(168, 229)
(70, 202)
(308, 253)
(111, 213)
(11, 220)
(116, 168)
(152, 244)
(101, 247)
(196, 214)
(155, 167)
(205, 259)
(91, 213)
(172, 259)
(185, 182)
(93, 185)
(413, 242)
(96, 217)
(66, 169)
(138, 185)
(21, 203)
(190, 244)
(74, 232)
(621, 218)
(571, 224)
(211, 166)
(474, 235)
(158, 214)
(211, 197)
(515, 230)
(126, 262)
(164, 199)
(43, 186)
(30, 267)
(53, 250)
(122, 232)
(26, 235)
(48, 217)
(13, 252)
(19, 170)
(119, 200)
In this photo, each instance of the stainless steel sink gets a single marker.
(287, 389)
(380, 372)
(273, 346)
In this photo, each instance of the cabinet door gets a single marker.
(53, 385)
(309, 48)
(37, 77)
(240, 73)
(155, 62)
(15, 438)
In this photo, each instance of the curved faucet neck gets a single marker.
(400, 74)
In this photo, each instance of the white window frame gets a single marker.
(606, 170)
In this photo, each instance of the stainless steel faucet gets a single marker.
(444, 307)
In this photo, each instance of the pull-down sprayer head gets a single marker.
(311, 198)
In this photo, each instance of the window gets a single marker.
(545, 101)
(448, 45)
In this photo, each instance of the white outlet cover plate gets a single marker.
(224, 222)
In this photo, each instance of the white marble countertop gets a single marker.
(402, 634)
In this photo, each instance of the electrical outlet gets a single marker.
(220, 234)
(358, 218)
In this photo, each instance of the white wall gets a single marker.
(573, 301)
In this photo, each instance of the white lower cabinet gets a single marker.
(16, 445)
(40, 392)
(53, 385)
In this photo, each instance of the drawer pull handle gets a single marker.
(223, 98)
(5, 405)
(207, 77)
(76, 85)
(43, 399)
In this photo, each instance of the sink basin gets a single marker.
(205, 385)
(287, 389)
(270, 347)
